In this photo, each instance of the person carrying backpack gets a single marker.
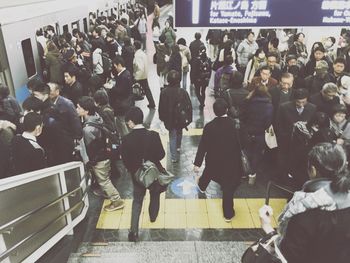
(175, 110)
(223, 77)
(94, 154)
(201, 67)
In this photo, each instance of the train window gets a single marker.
(75, 25)
(65, 29)
(86, 29)
(28, 57)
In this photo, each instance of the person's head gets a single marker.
(167, 24)
(4, 91)
(32, 104)
(220, 107)
(137, 44)
(291, 60)
(54, 90)
(287, 80)
(273, 43)
(134, 117)
(259, 91)
(197, 35)
(110, 37)
(319, 53)
(251, 36)
(265, 73)
(327, 160)
(101, 98)
(181, 41)
(319, 121)
(236, 80)
(173, 78)
(272, 59)
(299, 37)
(228, 60)
(339, 65)
(300, 97)
(86, 107)
(32, 83)
(118, 63)
(321, 69)
(339, 112)
(329, 91)
(259, 53)
(41, 91)
(96, 32)
(33, 123)
(70, 55)
(70, 75)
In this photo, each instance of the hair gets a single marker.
(181, 41)
(332, 39)
(75, 31)
(32, 104)
(55, 86)
(329, 87)
(300, 94)
(110, 35)
(275, 42)
(124, 21)
(32, 83)
(266, 67)
(88, 104)
(228, 60)
(287, 75)
(339, 108)
(260, 91)
(119, 60)
(197, 35)
(31, 120)
(173, 77)
(236, 80)
(339, 60)
(330, 161)
(220, 107)
(272, 54)
(135, 115)
(71, 70)
(42, 88)
(296, 37)
(4, 91)
(101, 97)
(258, 51)
(319, 48)
(137, 44)
(250, 33)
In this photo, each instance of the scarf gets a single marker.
(302, 202)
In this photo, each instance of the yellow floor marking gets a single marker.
(191, 213)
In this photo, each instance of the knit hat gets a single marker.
(69, 54)
(345, 82)
(321, 65)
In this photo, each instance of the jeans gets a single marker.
(255, 151)
(175, 137)
(102, 171)
(153, 209)
(184, 80)
(147, 90)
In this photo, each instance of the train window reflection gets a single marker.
(86, 29)
(28, 57)
(75, 25)
(65, 29)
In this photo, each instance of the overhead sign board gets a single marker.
(261, 13)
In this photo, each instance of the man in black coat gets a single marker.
(293, 148)
(139, 145)
(27, 154)
(326, 98)
(220, 147)
(121, 94)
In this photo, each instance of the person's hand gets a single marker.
(340, 141)
(196, 169)
(166, 58)
(265, 214)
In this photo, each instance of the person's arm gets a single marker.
(202, 149)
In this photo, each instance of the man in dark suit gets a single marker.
(282, 93)
(293, 150)
(220, 147)
(139, 145)
(264, 78)
(121, 94)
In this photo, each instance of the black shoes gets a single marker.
(132, 237)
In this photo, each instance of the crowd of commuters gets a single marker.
(87, 94)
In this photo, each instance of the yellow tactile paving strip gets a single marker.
(191, 213)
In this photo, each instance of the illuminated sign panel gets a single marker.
(261, 13)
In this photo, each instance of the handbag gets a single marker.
(270, 138)
(262, 251)
(137, 91)
(165, 178)
(147, 174)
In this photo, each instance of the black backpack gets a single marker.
(204, 71)
(110, 139)
(106, 63)
(183, 110)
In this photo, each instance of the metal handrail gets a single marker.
(27, 215)
(268, 191)
(10, 250)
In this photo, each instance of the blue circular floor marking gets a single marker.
(184, 187)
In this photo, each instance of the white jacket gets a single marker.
(140, 65)
(97, 61)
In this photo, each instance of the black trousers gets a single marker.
(147, 90)
(200, 92)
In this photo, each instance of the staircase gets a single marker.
(154, 252)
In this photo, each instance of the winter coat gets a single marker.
(128, 54)
(185, 57)
(175, 63)
(54, 63)
(170, 36)
(97, 61)
(140, 65)
(245, 51)
(161, 51)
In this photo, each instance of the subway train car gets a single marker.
(19, 59)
